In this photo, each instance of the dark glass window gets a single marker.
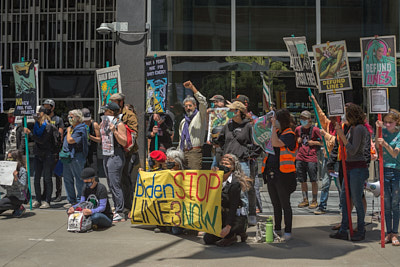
(68, 86)
(199, 25)
(351, 19)
(261, 24)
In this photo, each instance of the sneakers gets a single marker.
(319, 211)
(44, 205)
(313, 205)
(303, 204)
(358, 236)
(57, 199)
(340, 235)
(67, 206)
(19, 212)
(226, 242)
(252, 220)
(118, 218)
(287, 236)
(35, 204)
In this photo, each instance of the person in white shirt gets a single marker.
(192, 128)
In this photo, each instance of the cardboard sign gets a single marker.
(26, 84)
(335, 102)
(107, 137)
(332, 67)
(108, 83)
(217, 118)
(378, 57)
(300, 62)
(7, 169)
(378, 100)
(189, 199)
(156, 70)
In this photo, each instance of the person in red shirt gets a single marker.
(309, 139)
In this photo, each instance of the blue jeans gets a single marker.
(392, 199)
(72, 171)
(356, 178)
(101, 220)
(44, 165)
(326, 184)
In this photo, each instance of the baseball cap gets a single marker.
(242, 98)
(237, 105)
(49, 102)
(117, 96)
(305, 114)
(217, 98)
(87, 116)
(88, 173)
(111, 106)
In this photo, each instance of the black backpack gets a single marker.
(56, 138)
(309, 134)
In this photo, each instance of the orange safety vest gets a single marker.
(287, 157)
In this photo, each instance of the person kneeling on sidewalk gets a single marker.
(96, 193)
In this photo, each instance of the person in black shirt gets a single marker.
(96, 193)
(164, 130)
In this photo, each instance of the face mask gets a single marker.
(151, 162)
(224, 168)
(277, 124)
(170, 164)
(303, 122)
(212, 105)
(230, 114)
(71, 120)
(88, 185)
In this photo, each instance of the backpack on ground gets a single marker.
(77, 221)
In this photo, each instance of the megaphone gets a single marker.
(374, 188)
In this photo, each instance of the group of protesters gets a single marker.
(234, 152)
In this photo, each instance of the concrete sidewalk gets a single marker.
(40, 238)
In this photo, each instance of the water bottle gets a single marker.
(269, 231)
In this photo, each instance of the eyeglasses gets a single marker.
(388, 122)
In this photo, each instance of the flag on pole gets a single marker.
(267, 98)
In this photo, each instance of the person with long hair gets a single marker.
(391, 160)
(76, 143)
(44, 156)
(355, 142)
(17, 192)
(234, 209)
(280, 170)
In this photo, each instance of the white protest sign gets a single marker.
(6, 172)
(379, 100)
(107, 137)
(335, 102)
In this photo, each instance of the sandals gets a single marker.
(388, 239)
(395, 241)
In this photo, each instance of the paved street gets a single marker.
(40, 239)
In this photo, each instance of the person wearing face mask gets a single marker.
(217, 101)
(391, 160)
(310, 141)
(16, 193)
(236, 139)
(234, 216)
(44, 156)
(157, 160)
(113, 164)
(75, 142)
(192, 128)
(95, 192)
(280, 170)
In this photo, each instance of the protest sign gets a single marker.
(189, 199)
(108, 83)
(378, 100)
(332, 67)
(6, 172)
(217, 118)
(26, 84)
(107, 137)
(378, 57)
(300, 62)
(156, 70)
(335, 102)
(262, 130)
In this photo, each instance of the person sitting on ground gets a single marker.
(16, 193)
(96, 192)
(157, 161)
(234, 210)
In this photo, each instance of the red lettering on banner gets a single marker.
(191, 182)
(209, 182)
(197, 188)
(183, 178)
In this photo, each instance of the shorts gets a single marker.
(302, 168)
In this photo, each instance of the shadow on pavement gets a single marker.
(8, 216)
